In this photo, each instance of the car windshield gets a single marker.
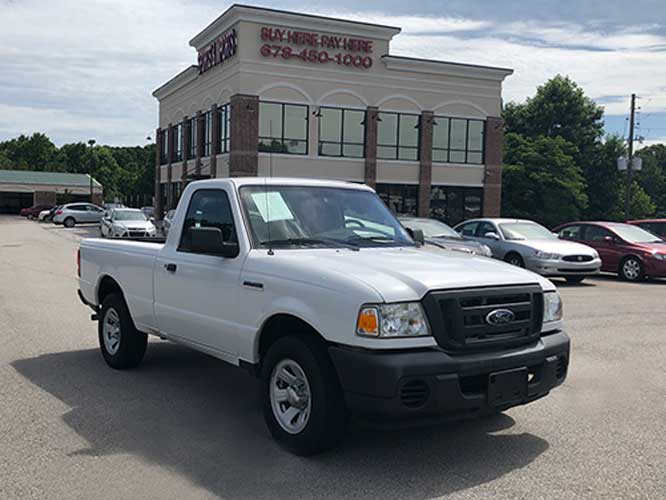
(633, 234)
(431, 228)
(313, 216)
(128, 215)
(525, 231)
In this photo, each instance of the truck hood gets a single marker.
(398, 274)
(561, 247)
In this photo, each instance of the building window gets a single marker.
(457, 140)
(164, 144)
(207, 131)
(191, 138)
(224, 128)
(397, 136)
(177, 132)
(452, 204)
(401, 199)
(341, 132)
(283, 128)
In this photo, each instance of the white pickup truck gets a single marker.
(316, 288)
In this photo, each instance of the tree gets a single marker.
(541, 180)
(604, 181)
(36, 152)
(652, 179)
(641, 205)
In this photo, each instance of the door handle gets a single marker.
(170, 267)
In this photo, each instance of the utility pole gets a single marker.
(627, 201)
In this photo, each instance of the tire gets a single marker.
(31, 217)
(122, 345)
(575, 279)
(514, 259)
(631, 269)
(69, 222)
(321, 423)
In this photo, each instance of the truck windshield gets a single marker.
(312, 216)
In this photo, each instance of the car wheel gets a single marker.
(31, 217)
(514, 259)
(575, 279)
(69, 222)
(631, 269)
(304, 408)
(122, 345)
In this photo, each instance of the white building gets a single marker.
(291, 94)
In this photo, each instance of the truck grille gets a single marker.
(463, 319)
(577, 258)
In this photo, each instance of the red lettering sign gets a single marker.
(218, 51)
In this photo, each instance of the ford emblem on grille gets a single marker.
(500, 317)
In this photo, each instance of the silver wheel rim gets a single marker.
(69, 223)
(291, 398)
(514, 261)
(111, 331)
(632, 269)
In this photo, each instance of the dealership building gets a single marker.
(294, 95)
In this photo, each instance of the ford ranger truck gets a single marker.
(316, 288)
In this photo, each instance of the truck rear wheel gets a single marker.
(303, 403)
(122, 345)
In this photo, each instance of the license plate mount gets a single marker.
(507, 387)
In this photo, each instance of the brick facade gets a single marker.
(243, 154)
(199, 151)
(185, 141)
(371, 115)
(494, 144)
(170, 149)
(425, 163)
(215, 130)
(159, 205)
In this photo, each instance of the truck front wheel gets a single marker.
(122, 345)
(303, 404)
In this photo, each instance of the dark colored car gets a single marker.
(33, 211)
(656, 226)
(440, 235)
(625, 249)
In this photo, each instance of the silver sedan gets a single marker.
(527, 244)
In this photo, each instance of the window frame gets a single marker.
(177, 153)
(467, 150)
(191, 128)
(282, 138)
(342, 142)
(180, 248)
(223, 138)
(207, 132)
(397, 145)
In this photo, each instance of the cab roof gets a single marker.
(281, 181)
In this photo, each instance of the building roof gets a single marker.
(46, 178)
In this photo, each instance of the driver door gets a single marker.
(495, 245)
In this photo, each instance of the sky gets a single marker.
(77, 70)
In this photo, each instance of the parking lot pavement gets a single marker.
(184, 425)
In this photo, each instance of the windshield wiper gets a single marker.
(308, 241)
(359, 239)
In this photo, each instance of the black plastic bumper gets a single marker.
(433, 383)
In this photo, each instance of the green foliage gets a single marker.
(541, 180)
(605, 182)
(653, 176)
(123, 171)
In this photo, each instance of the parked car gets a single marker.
(33, 211)
(126, 223)
(47, 215)
(166, 222)
(655, 226)
(627, 250)
(527, 244)
(438, 234)
(76, 213)
(149, 212)
(335, 318)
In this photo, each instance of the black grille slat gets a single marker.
(577, 258)
(414, 393)
(458, 318)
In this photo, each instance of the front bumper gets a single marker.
(655, 268)
(431, 383)
(563, 268)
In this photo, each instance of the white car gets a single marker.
(76, 213)
(126, 223)
(316, 287)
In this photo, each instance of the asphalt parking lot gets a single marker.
(188, 426)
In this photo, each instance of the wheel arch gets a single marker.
(105, 287)
(626, 256)
(280, 325)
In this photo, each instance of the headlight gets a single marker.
(547, 255)
(658, 256)
(392, 320)
(552, 307)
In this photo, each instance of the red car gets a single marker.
(656, 226)
(33, 211)
(625, 249)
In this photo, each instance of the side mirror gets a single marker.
(609, 240)
(417, 236)
(208, 240)
(492, 236)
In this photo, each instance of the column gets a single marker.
(199, 150)
(170, 152)
(371, 116)
(215, 132)
(159, 206)
(243, 155)
(492, 183)
(425, 163)
(185, 141)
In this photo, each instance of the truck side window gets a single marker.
(208, 208)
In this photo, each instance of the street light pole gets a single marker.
(91, 143)
(627, 200)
